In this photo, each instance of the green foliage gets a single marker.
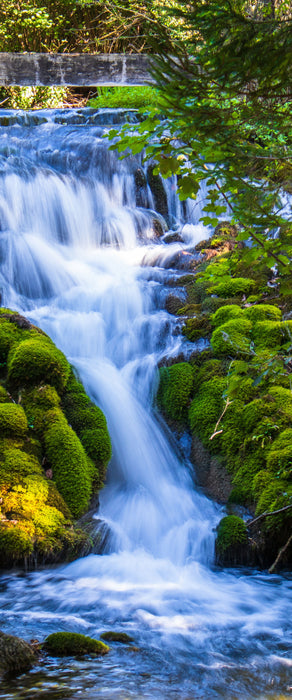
(69, 464)
(12, 419)
(230, 533)
(227, 119)
(232, 338)
(36, 361)
(33, 97)
(73, 644)
(175, 389)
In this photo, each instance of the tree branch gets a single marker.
(267, 514)
(282, 551)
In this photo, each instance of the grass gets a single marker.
(127, 97)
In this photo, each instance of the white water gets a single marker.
(83, 263)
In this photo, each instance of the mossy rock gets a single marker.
(80, 412)
(271, 334)
(233, 287)
(9, 337)
(231, 532)
(232, 338)
(263, 312)
(97, 444)
(175, 389)
(206, 408)
(209, 369)
(279, 459)
(12, 419)
(121, 637)
(198, 327)
(15, 543)
(38, 361)
(73, 644)
(16, 655)
(4, 398)
(226, 313)
(69, 463)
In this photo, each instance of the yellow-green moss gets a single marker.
(12, 419)
(279, 459)
(263, 312)
(73, 644)
(232, 338)
(198, 327)
(226, 313)
(232, 287)
(271, 333)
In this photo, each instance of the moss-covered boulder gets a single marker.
(16, 655)
(232, 338)
(231, 540)
(47, 475)
(73, 644)
(233, 287)
(121, 637)
(38, 361)
(206, 408)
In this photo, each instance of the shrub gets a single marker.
(175, 389)
(73, 644)
(37, 361)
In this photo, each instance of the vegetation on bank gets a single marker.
(54, 448)
(236, 396)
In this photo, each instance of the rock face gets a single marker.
(16, 655)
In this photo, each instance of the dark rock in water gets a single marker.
(157, 188)
(172, 237)
(73, 644)
(16, 655)
(210, 472)
(173, 304)
(121, 637)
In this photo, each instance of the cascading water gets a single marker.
(85, 264)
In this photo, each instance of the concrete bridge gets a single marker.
(74, 69)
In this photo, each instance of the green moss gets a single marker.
(37, 361)
(97, 445)
(226, 313)
(80, 412)
(121, 637)
(4, 398)
(232, 338)
(209, 369)
(9, 335)
(12, 419)
(206, 408)
(272, 333)
(231, 532)
(256, 410)
(232, 287)
(68, 461)
(15, 543)
(73, 644)
(271, 498)
(279, 459)
(195, 328)
(16, 465)
(263, 312)
(175, 389)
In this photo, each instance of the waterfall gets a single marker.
(81, 260)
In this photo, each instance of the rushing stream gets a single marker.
(82, 261)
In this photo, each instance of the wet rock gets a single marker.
(157, 188)
(172, 237)
(211, 473)
(73, 644)
(16, 655)
(141, 188)
(121, 637)
(173, 304)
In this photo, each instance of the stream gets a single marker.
(80, 256)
